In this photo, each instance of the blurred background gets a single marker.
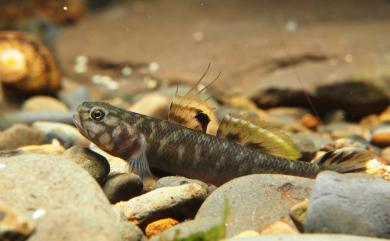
(322, 55)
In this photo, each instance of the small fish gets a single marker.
(167, 146)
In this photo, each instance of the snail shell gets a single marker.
(26, 64)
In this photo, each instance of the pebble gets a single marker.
(298, 214)
(288, 114)
(66, 134)
(72, 97)
(159, 226)
(385, 115)
(308, 143)
(355, 204)
(381, 135)
(130, 232)
(177, 202)
(386, 154)
(172, 181)
(19, 135)
(96, 165)
(127, 230)
(14, 225)
(117, 165)
(246, 234)
(256, 201)
(192, 229)
(154, 104)
(67, 202)
(44, 104)
(310, 121)
(307, 237)
(122, 187)
(279, 228)
(54, 148)
(345, 129)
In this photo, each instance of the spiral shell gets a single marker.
(26, 64)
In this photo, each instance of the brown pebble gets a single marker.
(310, 121)
(159, 226)
(381, 138)
(19, 135)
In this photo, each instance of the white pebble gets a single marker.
(38, 214)
(2, 165)
(291, 26)
(126, 71)
(153, 67)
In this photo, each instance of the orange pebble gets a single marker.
(159, 226)
(310, 121)
(381, 139)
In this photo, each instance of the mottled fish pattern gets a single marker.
(176, 149)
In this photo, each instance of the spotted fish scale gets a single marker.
(179, 150)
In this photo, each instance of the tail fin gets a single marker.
(353, 160)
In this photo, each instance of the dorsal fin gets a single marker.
(191, 111)
(248, 130)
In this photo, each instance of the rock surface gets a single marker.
(94, 163)
(19, 135)
(256, 201)
(176, 202)
(65, 202)
(66, 134)
(355, 204)
(122, 187)
(188, 228)
(159, 226)
(308, 237)
(172, 181)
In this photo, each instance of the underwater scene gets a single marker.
(194, 120)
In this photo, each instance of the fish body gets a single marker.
(173, 148)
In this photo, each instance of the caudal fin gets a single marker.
(353, 160)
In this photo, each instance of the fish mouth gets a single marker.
(77, 121)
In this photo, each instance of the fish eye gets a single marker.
(97, 114)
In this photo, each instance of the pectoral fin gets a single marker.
(138, 163)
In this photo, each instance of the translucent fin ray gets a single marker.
(248, 130)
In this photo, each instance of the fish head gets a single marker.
(105, 125)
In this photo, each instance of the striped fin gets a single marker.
(248, 130)
(192, 111)
(352, 159)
